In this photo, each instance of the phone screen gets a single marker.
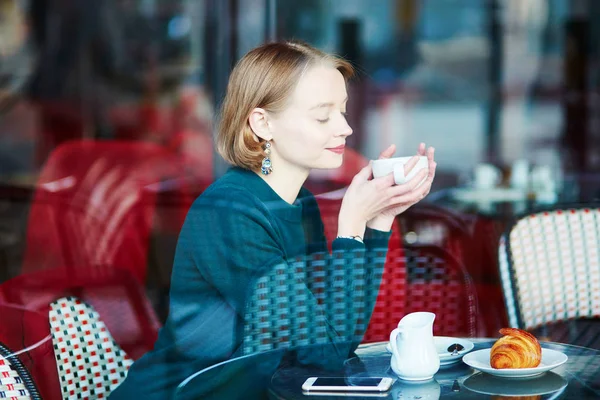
(339, 381)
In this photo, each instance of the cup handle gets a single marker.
(399, 176)
(394, 340)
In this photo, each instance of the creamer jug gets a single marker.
(414, 356)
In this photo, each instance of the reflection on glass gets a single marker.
(547, 383)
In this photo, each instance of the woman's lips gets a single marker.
(337, 150)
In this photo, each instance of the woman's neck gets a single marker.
(286, 182)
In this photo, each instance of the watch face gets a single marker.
(15, 53)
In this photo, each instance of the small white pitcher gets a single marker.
(414, 356)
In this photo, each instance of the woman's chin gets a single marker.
(332, 162)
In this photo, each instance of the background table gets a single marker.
(578, 378)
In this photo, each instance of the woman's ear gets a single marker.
(259, 124)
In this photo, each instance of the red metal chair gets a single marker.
(95, 204)
(417, 277)
(424, 278)
(115, 293)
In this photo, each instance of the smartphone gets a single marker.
(341, 384)
(337, 395)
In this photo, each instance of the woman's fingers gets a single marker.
(410, 185)
(430, 153)
(387, 153)
(410, 164)
(421, 150)
(384, 181)
(365, 173)
(410, 198)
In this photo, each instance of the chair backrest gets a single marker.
(550, 266)
(90, 363)
(300, 304)
(93, 205)
(432, 225)
(424, 278)
(416, 277)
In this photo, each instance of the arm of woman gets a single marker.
(243, 268)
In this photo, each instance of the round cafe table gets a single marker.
(269, 375)
(578, 378)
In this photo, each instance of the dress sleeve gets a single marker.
(233, 285)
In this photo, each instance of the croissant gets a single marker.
(516, 349)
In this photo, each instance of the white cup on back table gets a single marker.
(487, 176)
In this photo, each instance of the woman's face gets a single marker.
(311, 132)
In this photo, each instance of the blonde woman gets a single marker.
(283, 115)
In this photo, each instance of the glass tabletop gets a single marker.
(271, 375)
(578, 378)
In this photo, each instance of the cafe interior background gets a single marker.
(107, 119)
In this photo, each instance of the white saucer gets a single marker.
(495, 386)
(442, 343)
(480, 360)
(492, 195)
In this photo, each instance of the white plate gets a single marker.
(480, 360)
(493, 385)
(442, 343)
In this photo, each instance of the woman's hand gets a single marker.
(406, 194)
(374, 202)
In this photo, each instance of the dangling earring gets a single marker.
(266, 167)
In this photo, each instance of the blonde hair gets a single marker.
(265, 78)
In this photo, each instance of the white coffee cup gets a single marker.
(487, 176)
(396, 166)
(519, 176)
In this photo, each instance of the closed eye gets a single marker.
(323, 121)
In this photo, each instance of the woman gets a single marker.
(282, 116)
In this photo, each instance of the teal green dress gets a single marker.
(238, 238)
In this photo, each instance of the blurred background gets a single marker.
(108, 109)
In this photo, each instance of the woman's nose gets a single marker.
(345, 129)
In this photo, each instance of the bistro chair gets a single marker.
(114, 293)
(424, 278)
(82, 311)
(550, 269)
(312, 301)
(418, 275)
(15, 380)
(94, 205)
(90, 363)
